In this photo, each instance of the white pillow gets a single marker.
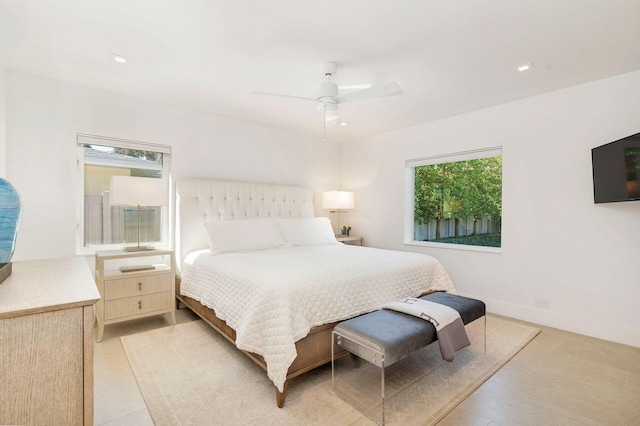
(308, 231)
(243, 235)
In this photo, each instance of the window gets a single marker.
(455, 201)
(100, 226)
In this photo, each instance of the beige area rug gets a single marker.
(190, 375)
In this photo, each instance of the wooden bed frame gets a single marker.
(199, 200)
(313, 350)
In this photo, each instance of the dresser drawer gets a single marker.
(130, 306)
(137, 286)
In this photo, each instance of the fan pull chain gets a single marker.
(324, 122)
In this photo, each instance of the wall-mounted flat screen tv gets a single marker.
(616, 170)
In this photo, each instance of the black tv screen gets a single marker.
(616, 170)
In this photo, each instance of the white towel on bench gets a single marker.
(450, 330)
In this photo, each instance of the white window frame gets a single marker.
(85, 139)
(409, 199)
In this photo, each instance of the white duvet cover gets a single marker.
(273, 297)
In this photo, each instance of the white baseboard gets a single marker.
(554, 319)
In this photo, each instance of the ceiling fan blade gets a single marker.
(285, 96)
(354, 86)
(388, 89)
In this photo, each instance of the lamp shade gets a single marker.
(338, 200)
(138, 191)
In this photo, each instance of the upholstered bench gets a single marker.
(385, 337)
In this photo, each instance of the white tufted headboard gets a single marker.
(200, 200)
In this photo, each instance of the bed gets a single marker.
(257, 266)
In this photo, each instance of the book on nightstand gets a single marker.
(136, 268)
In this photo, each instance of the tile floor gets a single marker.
(117, 398)
(560, 378)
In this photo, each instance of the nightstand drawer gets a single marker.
(136, 286)
(130, 306)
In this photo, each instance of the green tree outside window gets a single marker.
(459, 202)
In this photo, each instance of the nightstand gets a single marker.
(352, 241)
(127, 295)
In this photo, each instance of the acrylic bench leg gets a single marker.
(382, 393)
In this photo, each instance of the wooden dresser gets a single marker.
(46, 343)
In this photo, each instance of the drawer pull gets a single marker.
(139, 286)
(139, 304)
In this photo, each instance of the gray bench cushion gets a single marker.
(397, 335)
(469, 309)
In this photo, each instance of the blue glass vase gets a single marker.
(10, 211)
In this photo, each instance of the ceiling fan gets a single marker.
(329, 96)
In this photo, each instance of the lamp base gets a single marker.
(140, 230)
(338, 230)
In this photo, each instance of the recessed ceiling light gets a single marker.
(118, 58)
(344, 123)
(525, 67)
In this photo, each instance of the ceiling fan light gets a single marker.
(330, 116)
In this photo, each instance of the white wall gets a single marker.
(556, 243)
(44, 115)
(3, 127)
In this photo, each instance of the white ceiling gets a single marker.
(449, 56)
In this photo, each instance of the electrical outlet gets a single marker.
(541, 303)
